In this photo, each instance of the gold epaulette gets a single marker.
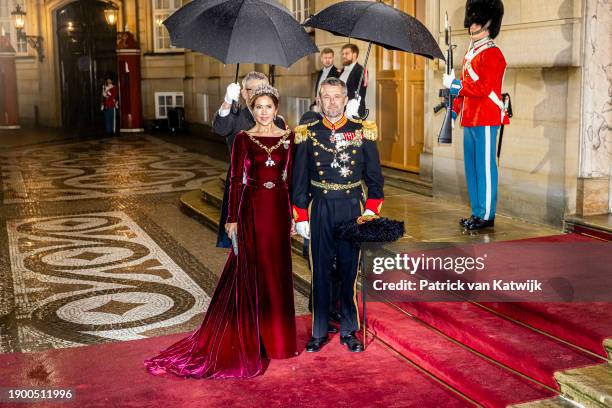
(301, 132)
(370, 130)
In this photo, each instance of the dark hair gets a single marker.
(334, 82)
(352, 47)
(269, 94)
(327, 51)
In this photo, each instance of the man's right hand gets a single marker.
(232, 93)
(303, 228)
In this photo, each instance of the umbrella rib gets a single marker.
(275, 29)
(363, 12)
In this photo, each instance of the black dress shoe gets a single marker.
(315, 344)
(332, 329)
(479, 224)
(335, 316)
(465, 221)
(352, 343)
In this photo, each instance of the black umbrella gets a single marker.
(377, 23)
(240, 31)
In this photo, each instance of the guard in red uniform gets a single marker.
(109, 106)
(479, 101)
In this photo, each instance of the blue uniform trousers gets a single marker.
(479, 143)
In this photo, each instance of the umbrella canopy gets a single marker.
(378, 23)
(240, 31)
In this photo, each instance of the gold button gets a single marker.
(320, 172)
(324, 191)
(352, 161)
(324, 181)
(318, 163)
(348, 191)
(316, 153)
(354, 151)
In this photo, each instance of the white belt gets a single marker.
(493, 96)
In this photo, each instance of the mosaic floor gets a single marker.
(96, 248)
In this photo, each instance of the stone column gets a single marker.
(593, 196)
(9, 109)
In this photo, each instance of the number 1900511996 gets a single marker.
(16, 394)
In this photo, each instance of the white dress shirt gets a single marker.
(347, 71)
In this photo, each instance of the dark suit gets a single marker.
(351, 84)
(333, 73)
(228, 127)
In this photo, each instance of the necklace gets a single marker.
(267, 149)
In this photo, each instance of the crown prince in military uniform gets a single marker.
(334, 157)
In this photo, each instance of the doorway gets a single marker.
(400, 79)
(87, 55)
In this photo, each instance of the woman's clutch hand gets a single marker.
(293, 230)
(231, 228)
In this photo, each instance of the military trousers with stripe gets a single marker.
(479, 146)
(325, 214)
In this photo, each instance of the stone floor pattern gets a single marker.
(96, 248)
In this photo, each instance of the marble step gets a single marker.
(589, 386)
(207, 213)
(407, 181)
(212, 193)
(599, 226)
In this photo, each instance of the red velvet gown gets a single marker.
(251, 316)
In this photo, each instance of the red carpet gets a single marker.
(496, 338)
(477, 378)
(113, 375)
(584, 324)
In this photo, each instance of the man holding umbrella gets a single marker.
(228, 125)
(479, 99)
(351, 75)
(333, 157)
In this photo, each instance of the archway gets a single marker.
(86, 50)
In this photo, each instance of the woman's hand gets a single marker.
(293, 230)
(231, 228)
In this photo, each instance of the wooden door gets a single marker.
(400, 99)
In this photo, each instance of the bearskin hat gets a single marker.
(483, 11)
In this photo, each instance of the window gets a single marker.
(302, 105)
(203, 107)
(165, 100)
(6, 23)
(162, 9)
(301, 9)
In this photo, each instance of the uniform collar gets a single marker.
(334, 126)
(481, 42)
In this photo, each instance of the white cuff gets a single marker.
(224, 112)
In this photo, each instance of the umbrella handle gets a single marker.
(365, 66)
(236, 105)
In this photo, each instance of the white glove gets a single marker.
(232, 93)
(368, 212)
(448, 79)
(303, 228)
(352, 108)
